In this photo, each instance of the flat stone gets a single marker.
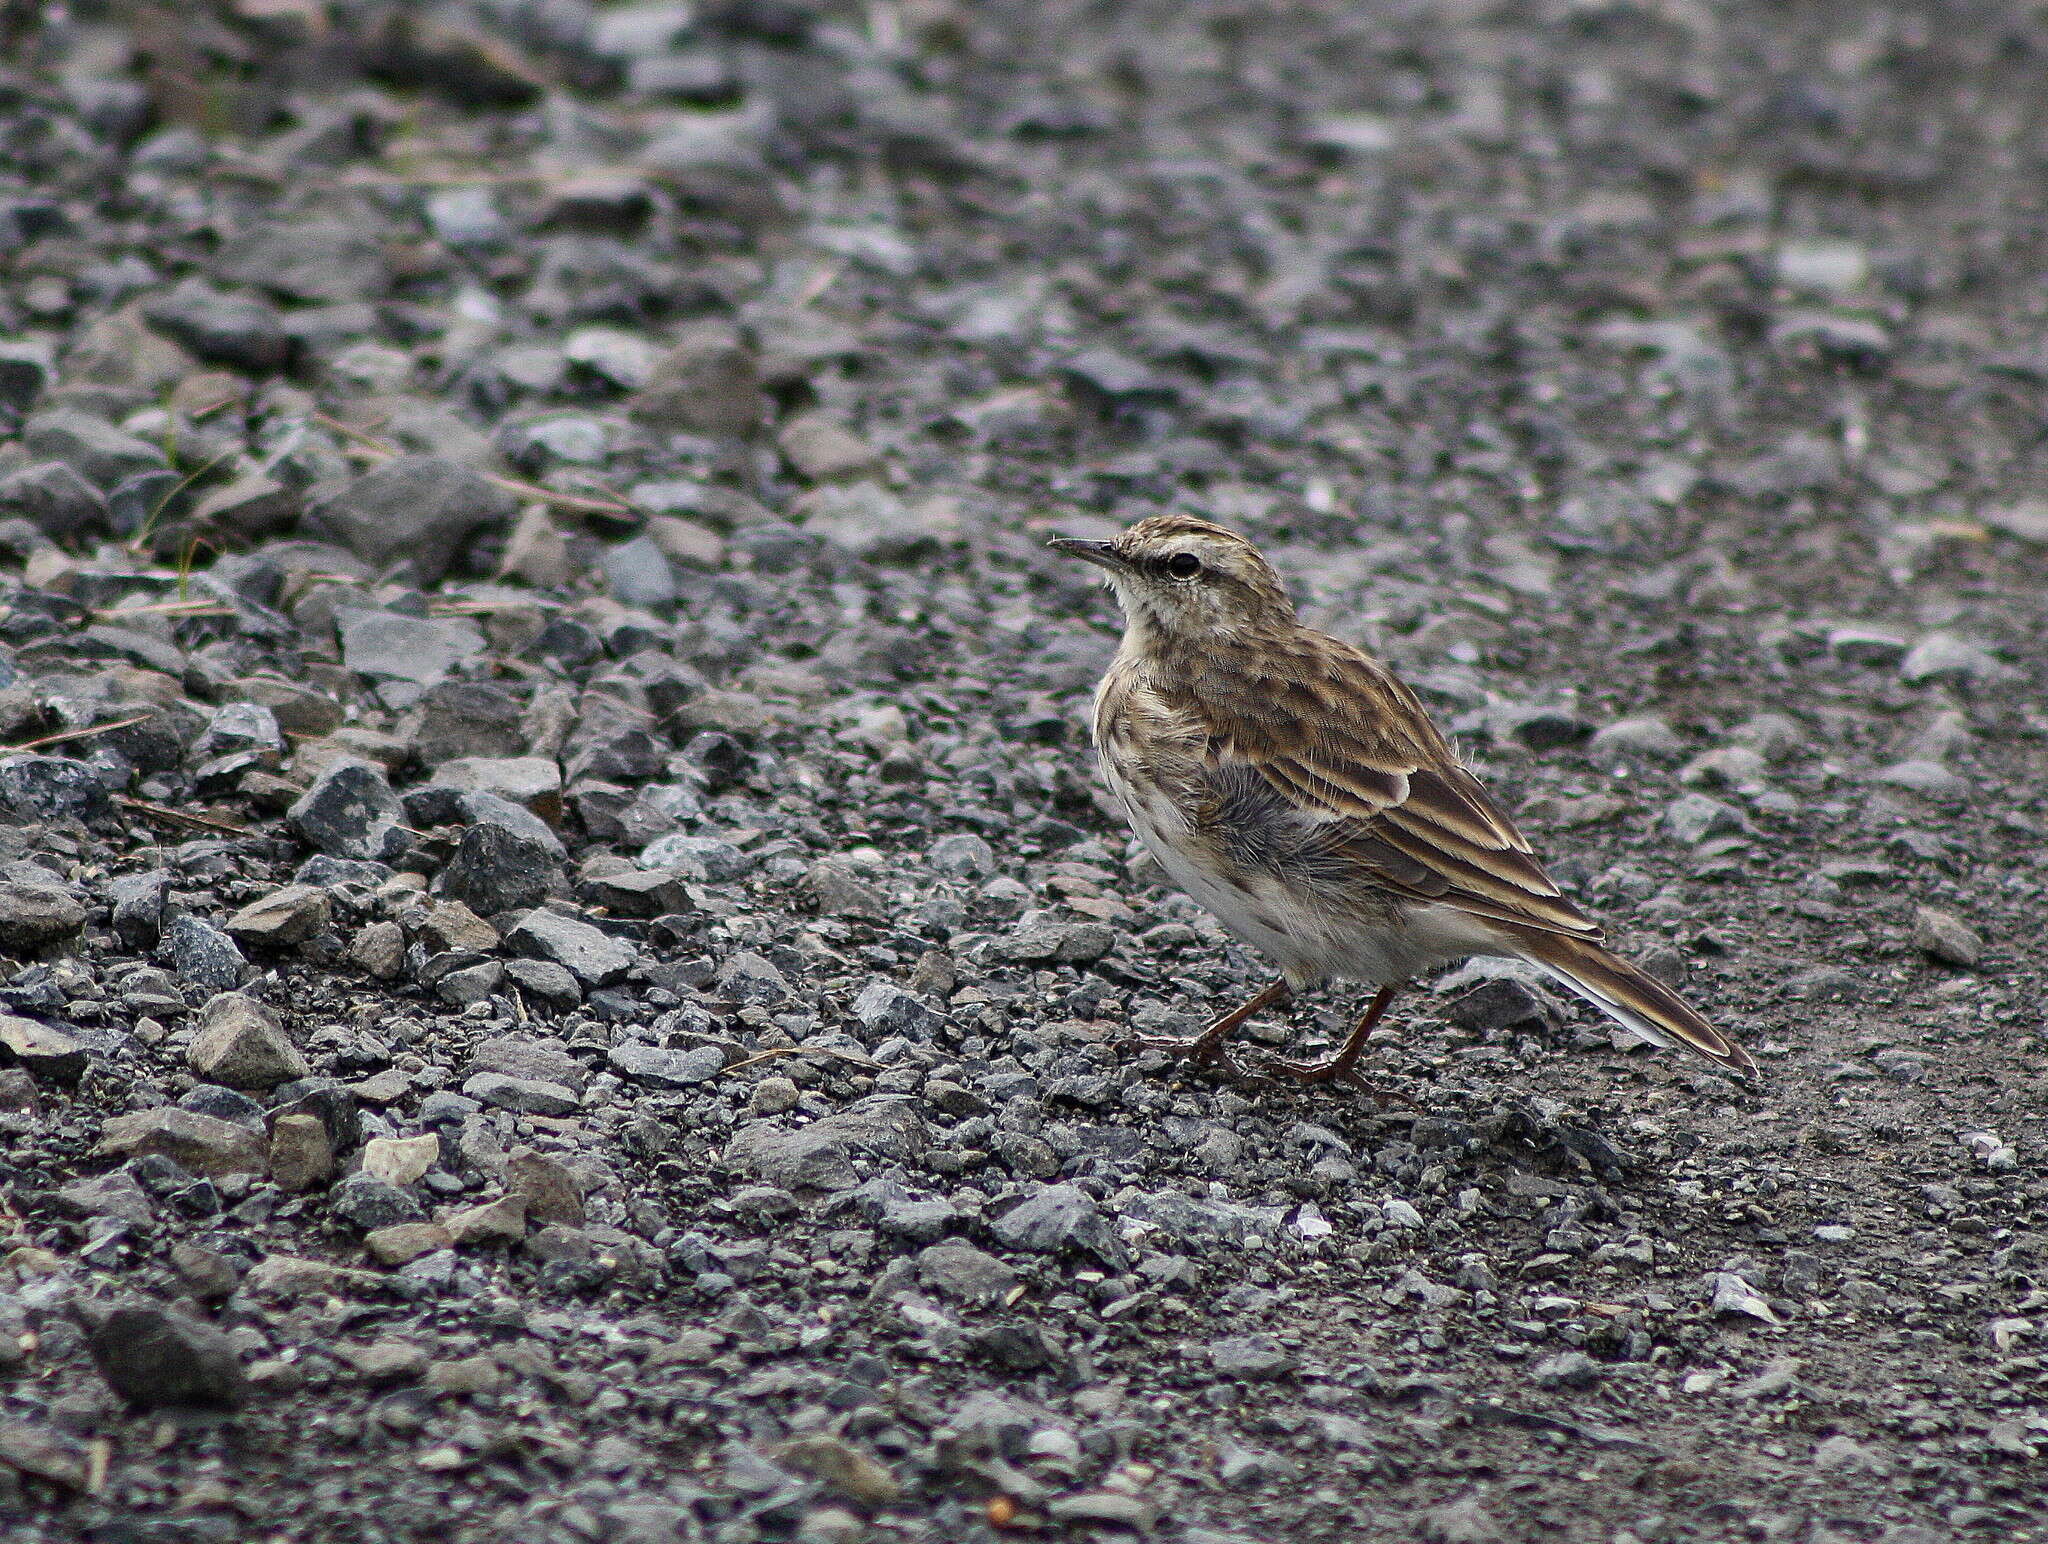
(152, 1355)
(502, 1221)
(241, 1043)
(196, 1142)
(44, 1050)
(285, 917)
(1956, 661)
(589, 954)
(1929, 779)
(821, 1156)
(868, 521)
(115, 1194)
(291, 1276)
(965, 1274)
(642, 893)
(534, 782)
(1250, 1358)
(1873, 646)
(389, 646)
(528, 1056)
(402, 1242)
(46, 1454)
(384, 1361)
(835, 1462)
(527, 1096)
(400, 1160)
(666, 1068)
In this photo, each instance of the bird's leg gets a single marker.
(1341, 1065)
(1208, 1045)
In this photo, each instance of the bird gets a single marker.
(1292, 785)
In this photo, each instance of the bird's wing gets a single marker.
(1351, 750)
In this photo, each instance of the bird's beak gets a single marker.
(1101, 553)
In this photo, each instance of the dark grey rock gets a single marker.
(55, 499)
(496, 869)
(36, 909)
(152, 1355)
(241, 331)
(821, 1156)
(366, 1203)
(593, 956)
(549, 983)
(203, 955)
(751, 978)
(885, 1009)
(965, 1274)
(351, 812)
(1567, 1369)
(665, 1068)
(50, 788)
(528, 1096)
(1250, 1358)
(421, 508)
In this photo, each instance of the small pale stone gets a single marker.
(379, 950)
(405, 1241)
(282, 918)
(1942, 935)
(400, 1160)
(242, 1044)
(502, 1221)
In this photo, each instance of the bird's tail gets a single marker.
(1639, 1002)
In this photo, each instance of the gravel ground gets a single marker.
(567, 965)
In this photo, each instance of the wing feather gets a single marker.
(1352, 751)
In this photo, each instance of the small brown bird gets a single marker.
(1288, 782)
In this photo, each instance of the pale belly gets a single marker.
(1373, 938)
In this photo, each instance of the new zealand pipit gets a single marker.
(1288, 782)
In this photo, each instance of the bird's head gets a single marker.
(1186, 578)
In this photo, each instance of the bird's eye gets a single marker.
(1183, 565)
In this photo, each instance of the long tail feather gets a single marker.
(1639, 1002)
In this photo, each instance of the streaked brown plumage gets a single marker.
(1299, 791)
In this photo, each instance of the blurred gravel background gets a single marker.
(566, 966)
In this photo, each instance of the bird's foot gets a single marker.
(1337, 1069)
(1203, 1050)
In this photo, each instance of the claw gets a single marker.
(1198, 1050)
(1338, 1069)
